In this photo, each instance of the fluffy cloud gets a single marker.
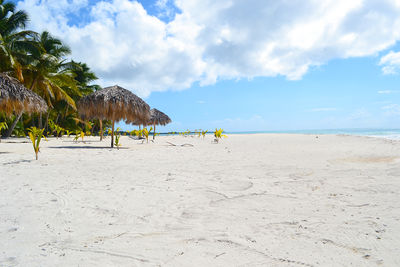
(390, 62)
(212, 40)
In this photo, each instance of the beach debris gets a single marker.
(172, 144)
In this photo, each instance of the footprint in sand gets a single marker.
(235, 185)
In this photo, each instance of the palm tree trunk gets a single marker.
(40, 120)
(154, 132)
(112, 134)
(33, 83)
(101, 129)
(11, 128)
(46, 123)
(58, 116)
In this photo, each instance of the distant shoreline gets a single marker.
(372, 132)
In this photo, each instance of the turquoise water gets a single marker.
(383, 133)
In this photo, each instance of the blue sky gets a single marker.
(241, 65)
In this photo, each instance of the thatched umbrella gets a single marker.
(158, 118)
(114, 103)
(16, 98)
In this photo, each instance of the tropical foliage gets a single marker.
(3, 125)
(117, 143)
(218, 134)
(36, 136)
(146, 133)
(40, 62)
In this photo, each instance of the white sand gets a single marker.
(252, 200)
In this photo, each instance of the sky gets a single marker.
(240, 65)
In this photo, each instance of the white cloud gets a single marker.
(391, 110)
(212, 40)
(322, 109)
(390, 63)
(387, 91)
(201, 102)
(165, 9)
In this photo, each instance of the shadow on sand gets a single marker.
(85, 147)
(17, 162)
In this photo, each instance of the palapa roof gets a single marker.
(15, 97)
(159, 118)
(156, 117)
(114, 103)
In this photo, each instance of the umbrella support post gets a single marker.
(154, 132)
(112, 134)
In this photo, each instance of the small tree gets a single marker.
(218, 135)
(117, 138)
(203, 133)
(146, 133)
(36, 135)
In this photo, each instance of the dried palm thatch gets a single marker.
(114, 103)
(15, 98)
(156, 118)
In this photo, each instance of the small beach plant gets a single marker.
(117, 143)
(146, 133)
(56, 129)
(78, 134)
(218, 135)
(117, 137)
(36, 135)
(68, 132)
(59, 130)
(203, 133)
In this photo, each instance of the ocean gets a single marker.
(393, 134)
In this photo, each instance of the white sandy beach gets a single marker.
(252, 200)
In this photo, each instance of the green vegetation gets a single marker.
(117, 138)
(78, 134)
(3, 126)
(35, 135)
(218, 135)
(146, 133)
(40, 61)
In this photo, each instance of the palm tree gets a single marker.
(47, 75)
(44, 73)
(13, 43)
